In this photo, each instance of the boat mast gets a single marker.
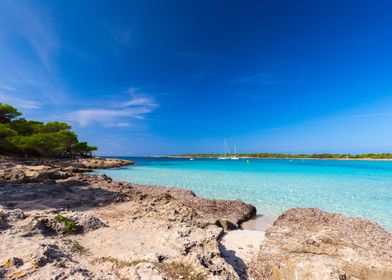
(225, 143)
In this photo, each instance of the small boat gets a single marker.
(235, 154)
(225, 147)
(191, 159)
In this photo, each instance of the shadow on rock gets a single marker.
(74, 192)
(236, 262)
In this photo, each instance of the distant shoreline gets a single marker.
(274, 158)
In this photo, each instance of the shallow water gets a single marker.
(355, 188)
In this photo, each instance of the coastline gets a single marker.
(124, 230)
(275, 158)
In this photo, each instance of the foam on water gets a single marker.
(355, 188)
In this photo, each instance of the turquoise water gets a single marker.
(354, 188)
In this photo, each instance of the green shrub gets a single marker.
(70, 226)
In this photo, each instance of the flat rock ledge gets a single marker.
(40, 170)
(307, 243)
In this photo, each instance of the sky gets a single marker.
(168, 77)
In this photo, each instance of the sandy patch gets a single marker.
(239, 247)
(259, 222)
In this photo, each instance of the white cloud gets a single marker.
(123, 124)
(120, 114)
(138, 99)
(19, 102)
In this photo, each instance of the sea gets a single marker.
(357, 188)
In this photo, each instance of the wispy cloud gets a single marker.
(138, 99)
(33, 25)
(341, 118)
(369, 115)
(120, 114)
(18, 102)
(8, 88)
(29, 70)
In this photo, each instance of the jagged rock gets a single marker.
(54, 222)
(8, 216)
(99, 163)
(32, 174)
(226, 225)
(47, 226)
(14, 215)
(307, 243)
(17, 262)
(85, 221)
(52, 253)
(156, 226)
(40, 170)
(230, 213)
(144, 271)
(3, 222)
(73, 169)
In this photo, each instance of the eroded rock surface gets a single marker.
(41, 170)
(230, 213)
(58, 223)
(306, 243)
(90, 227)
(39, 245)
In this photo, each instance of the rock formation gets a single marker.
(56, 222)
(81, 226)
(306, 243)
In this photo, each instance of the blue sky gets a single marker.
(165, 77)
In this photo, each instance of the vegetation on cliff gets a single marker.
(19, 136)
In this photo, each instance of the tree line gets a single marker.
(295, 156)
(22, 137)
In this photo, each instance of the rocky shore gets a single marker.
(59, 222)
(306, 243)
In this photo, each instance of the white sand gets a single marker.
(260, 223)
(239, 247)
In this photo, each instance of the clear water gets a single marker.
(354, 188)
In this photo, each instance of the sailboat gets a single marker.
(225, 157)
(235, 154)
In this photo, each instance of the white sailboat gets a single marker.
(225, 157)
(235, 154)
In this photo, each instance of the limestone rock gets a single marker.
(307, 243)
(100, 163)
(40, 170)
(54, 222)
(229, 213)
(144, 271)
